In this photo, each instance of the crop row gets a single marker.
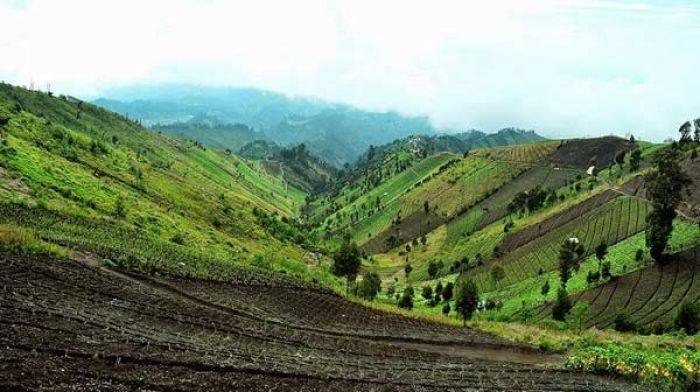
(51, 309)
(611, 222)
(647, 297)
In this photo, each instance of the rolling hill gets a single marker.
(336, 133)
(142, 258)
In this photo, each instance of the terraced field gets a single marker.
(448, 194)
(527, 153)
(529, 251)
(649, 296)
(70, 326)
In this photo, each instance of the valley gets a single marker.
(148, 258)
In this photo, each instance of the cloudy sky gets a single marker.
(579, 67)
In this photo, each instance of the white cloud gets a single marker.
(565, 67)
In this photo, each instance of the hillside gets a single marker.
(336, 133)
(194, 267)
(76, 174)
(479, 228)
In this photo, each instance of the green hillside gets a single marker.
(78, 175)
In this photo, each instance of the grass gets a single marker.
(97, 181)
(20, 241)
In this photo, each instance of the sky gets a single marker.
(564, 68)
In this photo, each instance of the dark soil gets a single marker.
(66, 326)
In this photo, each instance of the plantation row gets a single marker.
(611, 222)
(528, 153)
(65, 323)
(648, 298)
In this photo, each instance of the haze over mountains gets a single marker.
(230, 117)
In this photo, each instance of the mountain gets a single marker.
(336, 133)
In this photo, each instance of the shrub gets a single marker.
(19, 241)
(406, 301)
(688, 318)
(446, 308)
(427, 292)
(369, 286)
(622, 322)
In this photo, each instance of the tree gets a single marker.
(438, 291)
(665, 186)
(697, 130)
(446, 309)
(346, 261)
(447, 291)
(369, 286)
(433, 269)
(562, 305)
(427, 292)
(688, 318)
(685, 132)
(467, 298)
(578, 314)
(407, 270)
(635, 159)
(620, 158)
(568, 259)
(426, 207)
(406, 300)
(600, 252)
(545, 288)
(423, 240)
(497, 274)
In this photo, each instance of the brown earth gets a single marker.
(69, 326)
(577, 153)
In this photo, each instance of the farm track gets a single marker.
(67, 326)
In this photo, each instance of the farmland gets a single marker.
(72, 325)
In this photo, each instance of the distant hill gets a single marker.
(336, 133)
(213, 133)
(295, 164)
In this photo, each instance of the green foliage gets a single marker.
(665, 186)
(427, 293)
(577, 315)
(369, 286)
(346, 261)
(20, 241)
(467, 298)
(406, 300)
(688, 318)
(562, 305)
(672, 370)
(623, 323)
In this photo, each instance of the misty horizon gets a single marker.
(563, 68)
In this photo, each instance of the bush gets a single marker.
(688, 318)
(622, 322)
(406, 301)
(446, 309)
(369, 286)
(19, 241)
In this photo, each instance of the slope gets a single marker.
(84, 177)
